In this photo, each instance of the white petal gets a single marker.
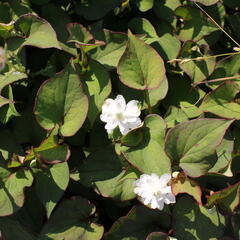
(107, 105)
(105, 117)
(166, 190)
(132, 109)
(164, 179)
(111, 125)
(120, 103)
(169, 198)
(160, 204)
(124, 128)
(154, 203)
(147, 200)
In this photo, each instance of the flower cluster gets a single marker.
(115, 112)
(154, 190)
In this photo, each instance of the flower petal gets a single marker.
(107, 105)
(169, 198)
(105, 117)
(160, 204)
(111, 125)
(120, 103)
(164, 179)
(132, 109)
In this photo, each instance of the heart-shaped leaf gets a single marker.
(61, 101)
(221, 101)
(55, 178)
(12, 191)
(104, 172)
(149, 156)
(140, 66)
(192, 144)
(190, 221)
(36, 32)
(71, 221)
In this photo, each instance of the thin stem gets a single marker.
(217, 24)
(202, 58)
(148, 101)
(218, 79)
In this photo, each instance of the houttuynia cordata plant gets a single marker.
(119, 119)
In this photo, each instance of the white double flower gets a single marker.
(115, 112)
(154, 191)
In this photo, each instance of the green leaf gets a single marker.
(12, 191)
(196, 70)
(158, 236)
(154, 95)
(8, 145)
(192, 144)
(165, 10)
(6, 29)
(50, 184)
(195, 26)
(207, 2)
(109, 54)
(50, 151)
(98, 87)
(231, 3)
(167, 45)
(194, 222)
(221, 101)
(36, 32)
(140, 66)
(183, 184)
(61, 101)
(143, 26)
(227, 67)
(82, 37)
(144, 5)
(26, 129)
(7, 79)
(58, 18)
(174, 116)
(226, 199)
(93, 10)
(13, 229)
(104, 172)
(149, 156)
(8, 111)
(136, 227)
(224, 152)
(71, 221)
(180, 90)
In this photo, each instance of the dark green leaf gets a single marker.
(192, 144)
(140, 66)
(61, 101)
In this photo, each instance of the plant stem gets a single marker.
(217, 24)
(148, 101)
(218, 80)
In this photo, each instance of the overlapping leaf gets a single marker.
(140, 66)
(62, 102)
(192, 144)
(149, 156)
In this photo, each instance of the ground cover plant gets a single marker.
(119, 119)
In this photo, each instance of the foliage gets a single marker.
(62, 176)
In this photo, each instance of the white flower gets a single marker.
(154, 190)
(115, 112)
